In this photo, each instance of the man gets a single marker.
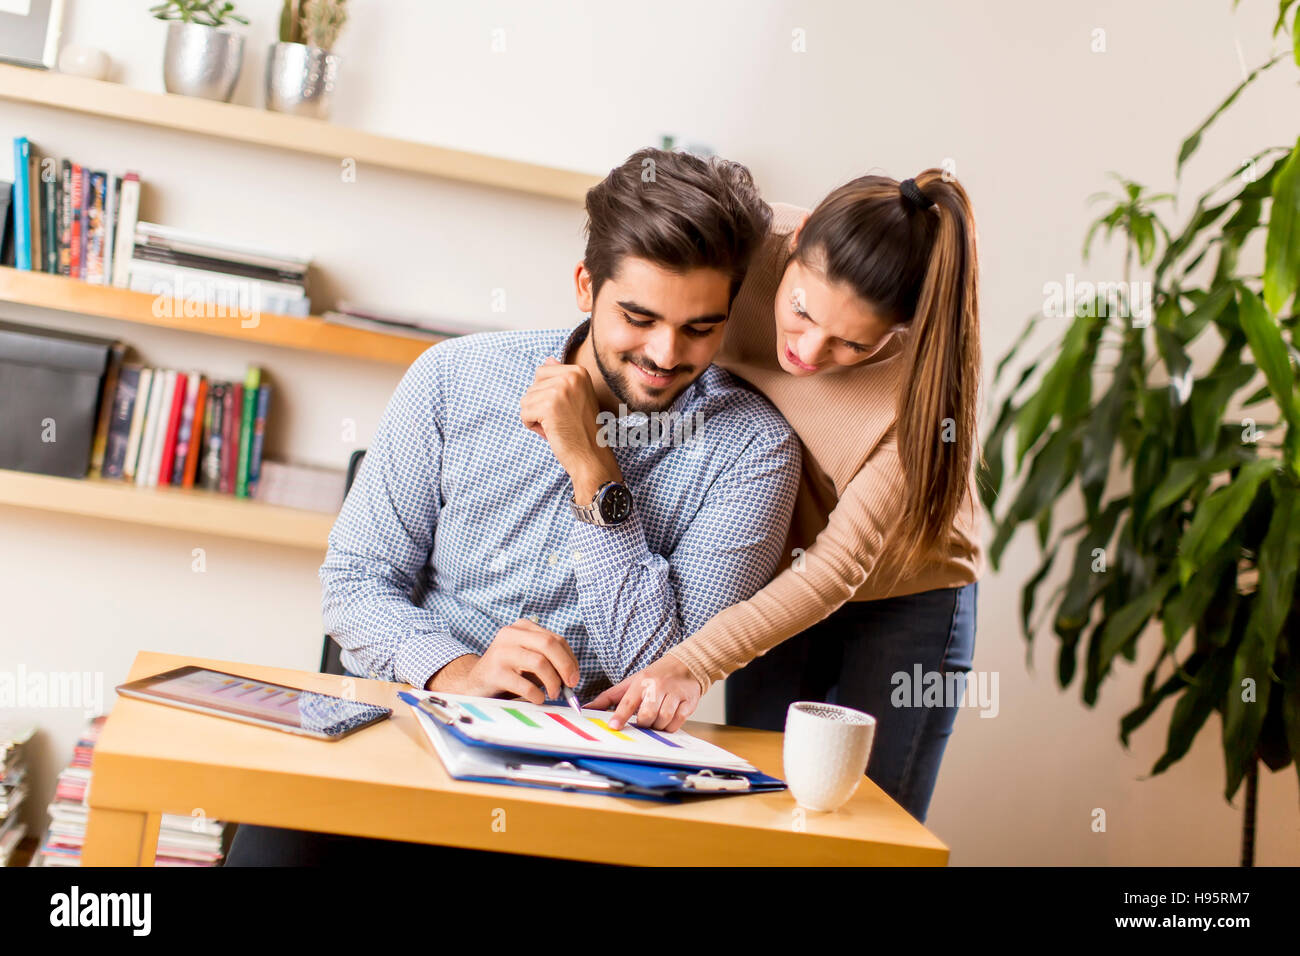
(502, 539)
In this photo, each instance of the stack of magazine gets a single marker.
(13, 788)
(182, 841)
(183, 268)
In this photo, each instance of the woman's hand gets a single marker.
(662, 696)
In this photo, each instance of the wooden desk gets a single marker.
(386, 781)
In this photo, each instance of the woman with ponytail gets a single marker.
(860, 322)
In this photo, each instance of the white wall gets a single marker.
(1011, 92)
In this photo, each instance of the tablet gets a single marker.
(256, 702)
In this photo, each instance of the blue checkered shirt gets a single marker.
(458, 522)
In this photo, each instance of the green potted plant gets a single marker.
(202, 56)
(1174, 430)
(301, 69)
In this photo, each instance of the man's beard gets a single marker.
(618, 384)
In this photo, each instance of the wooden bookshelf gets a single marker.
(185, 509)
(246, 124)
(310, 333)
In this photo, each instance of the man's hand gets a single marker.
(662, 696)
(561, 406)
(519, 655)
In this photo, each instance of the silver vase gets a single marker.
(300, 79)
(202, 61)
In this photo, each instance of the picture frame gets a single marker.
(29, 32)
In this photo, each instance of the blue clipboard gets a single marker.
(466, 758)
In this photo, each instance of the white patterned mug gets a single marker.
(825, 753)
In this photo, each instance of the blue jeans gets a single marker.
(866, 656)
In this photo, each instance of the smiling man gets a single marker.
(494, 544)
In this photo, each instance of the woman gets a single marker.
(873, 356)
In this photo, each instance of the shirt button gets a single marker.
(577, 556)
(533, 618)
(372, 673)
(551, 560)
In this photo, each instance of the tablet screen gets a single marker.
(257, 701)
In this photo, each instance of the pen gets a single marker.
(572, 698)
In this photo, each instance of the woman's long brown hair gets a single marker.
(918, 267)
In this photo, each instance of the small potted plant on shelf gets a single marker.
(301, 70)
(201, 57)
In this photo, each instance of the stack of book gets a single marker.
(184, 268)
(13, 768)
(401, 323)
(178, 428)
(68, 219)
(182, 841)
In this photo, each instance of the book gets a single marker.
(167, 456)
(148, 252)
(105, 414)
(148, 463)
(233, 400)
(83, 214)
(119, 429)
(95, 223)
(6, 223)
(159, 419)
(127, 211)
(185, 430)
(259, 433)
(153, 233)
(50, 211)
(75, 214)
(34, 206)
(301, 486)
(22, 203)
(214, 427)
(111, 202)
(248, 413)
(194, 450)
(136, 436)
(65, 218)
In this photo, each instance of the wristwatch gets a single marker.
(612, 505)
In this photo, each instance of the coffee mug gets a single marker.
(826, 752)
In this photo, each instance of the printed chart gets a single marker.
(521, 725)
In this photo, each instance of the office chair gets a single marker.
(330, 661)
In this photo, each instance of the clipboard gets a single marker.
(466, 758)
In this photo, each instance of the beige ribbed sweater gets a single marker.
(851, 488)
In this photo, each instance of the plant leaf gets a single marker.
(1282, 247)
(1193, 141)
(1218, 515)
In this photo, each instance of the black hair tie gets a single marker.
(912, 193)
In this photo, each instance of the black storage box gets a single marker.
(54, 375)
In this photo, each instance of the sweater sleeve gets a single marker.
(816, 584)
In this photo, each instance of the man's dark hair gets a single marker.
(676, 210)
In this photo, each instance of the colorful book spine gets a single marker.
(230, 438)
(77, 224)
(214, 426)
(259, 434)
(198, 435)
(22, 203)
(111, 200)
(135, 437)
(50, 210)
(167, 455)
(119, 429)
(65, 218)
(128, 211)
(177, 476)
(96, 199)
(248, 414)
(38, 222)
(100, 443)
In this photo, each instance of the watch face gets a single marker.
(615, 504)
